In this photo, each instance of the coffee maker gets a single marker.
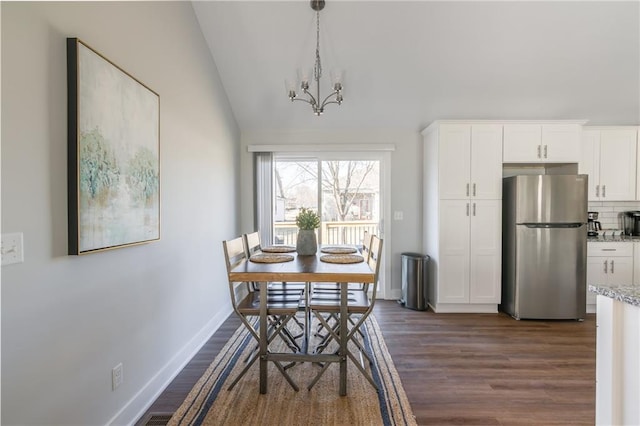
(632, 223)
(593, 226)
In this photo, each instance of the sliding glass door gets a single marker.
(345, 192)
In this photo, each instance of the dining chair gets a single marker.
(334, 289)
(278, 290)
(359, 304)
(247, 306)
(253, 245)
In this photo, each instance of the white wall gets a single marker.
(406, 182)
(68, 320)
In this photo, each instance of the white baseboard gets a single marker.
(141, 401)
(462, 308)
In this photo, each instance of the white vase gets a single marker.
(306, 244)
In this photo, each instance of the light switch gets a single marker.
(11, 248)
(398, 215)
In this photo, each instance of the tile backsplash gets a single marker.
(611, 212)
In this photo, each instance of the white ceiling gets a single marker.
(409, 63)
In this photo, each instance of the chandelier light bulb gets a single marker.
(290, 85)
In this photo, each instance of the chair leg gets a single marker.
(286, 376)
(243, 372)
(362, 370)
(277, 327)
(320, 373)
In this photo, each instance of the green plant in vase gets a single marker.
(307, 221)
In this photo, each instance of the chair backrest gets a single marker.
(366, 246)
(375, 253)
(234, 254)
(252, 243)
(251, 247)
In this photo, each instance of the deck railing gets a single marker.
(348, 232)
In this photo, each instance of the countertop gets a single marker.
(626, 294)
(613, 239)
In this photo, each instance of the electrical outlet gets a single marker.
(398, 215)
(11, 248)
(116, 377)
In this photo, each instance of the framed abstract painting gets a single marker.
(113, 154)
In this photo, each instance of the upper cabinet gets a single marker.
(609, 158)
(542, 143)
(470, 161)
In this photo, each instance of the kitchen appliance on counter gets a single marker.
(631, 223)
(544, 246)
(593, 226)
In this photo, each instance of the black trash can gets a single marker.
(414, 281)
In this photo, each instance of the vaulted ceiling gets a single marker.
(407, 63)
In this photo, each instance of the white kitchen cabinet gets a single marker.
(608, 264)
(485, 248)
(463, 215)
(470, 159)
(541, 143)
(470, 252)
(617, 366)
(609, 158)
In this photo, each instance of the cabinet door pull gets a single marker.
(467, 190)
(609, 249)
(545, 151)
(474, 209)
(539, 146)
(597, 190)
(604, 191)
(474, 189)
(612, 266)
(467, 209)
(605, 266)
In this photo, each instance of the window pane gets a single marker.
(295, 186)
(350, 201)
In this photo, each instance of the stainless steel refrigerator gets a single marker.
(544, 246)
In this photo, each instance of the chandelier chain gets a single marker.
(317, 72)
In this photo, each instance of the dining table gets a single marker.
(307, 269)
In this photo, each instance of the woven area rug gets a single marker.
(210, 403)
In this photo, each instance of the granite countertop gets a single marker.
(626, 294)
(613, 239)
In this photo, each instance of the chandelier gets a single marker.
(334, 97)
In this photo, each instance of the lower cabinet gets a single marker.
(609, 264)
(617, 366)
(468, 277)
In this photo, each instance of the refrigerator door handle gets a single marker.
(552, 225)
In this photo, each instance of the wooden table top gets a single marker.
(305, 269)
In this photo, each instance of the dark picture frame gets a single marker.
(113, 154)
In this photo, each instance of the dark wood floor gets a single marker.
(467, 369)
